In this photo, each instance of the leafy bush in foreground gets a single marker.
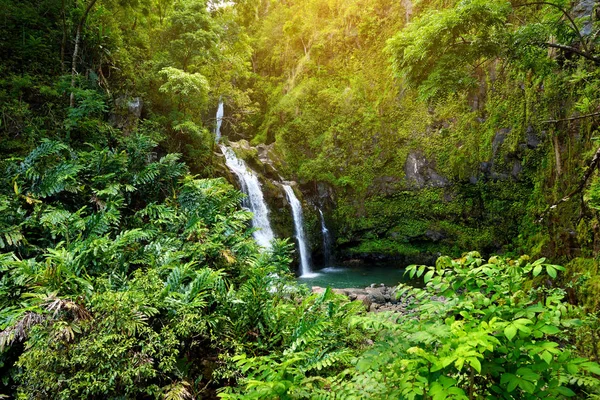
(477, 330)
(123, 276)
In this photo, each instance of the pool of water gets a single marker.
(357, 276)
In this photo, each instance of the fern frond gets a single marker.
(328, 359)
(178, 391)
(46, 148)
(19, 331)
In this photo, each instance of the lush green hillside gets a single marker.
(450, 132)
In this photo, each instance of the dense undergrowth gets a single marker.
(125, 277)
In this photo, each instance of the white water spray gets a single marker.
(255, 200)
(219, 122)
(326, 240)
(299, 228)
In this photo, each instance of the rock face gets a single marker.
(420, 172)
(584, 9)
(270, 161)
(279, 210)
(505, 163)
(127, 113)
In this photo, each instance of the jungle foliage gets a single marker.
(475, 331)
(128, 270)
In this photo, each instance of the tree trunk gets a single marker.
(76, 50)
(63, 43)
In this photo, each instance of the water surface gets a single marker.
(357, 276)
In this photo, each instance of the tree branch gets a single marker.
(553, 121)
(565, 13)
(573, 50)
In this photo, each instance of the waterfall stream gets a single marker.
(219, 122)
(255, 200)
(250, 185)
(326, 241)
(299, 228)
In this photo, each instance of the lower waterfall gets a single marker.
(327, 258)
(299, 228)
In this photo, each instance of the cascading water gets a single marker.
(219, 122)
(255, 200)
(299, 228)
(326, 241)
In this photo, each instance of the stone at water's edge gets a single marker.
(375, 298)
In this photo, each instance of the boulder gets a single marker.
(376, 294)
(365, 300)
(318, 289)
(584, 9)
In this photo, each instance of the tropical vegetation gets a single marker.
(423, 129)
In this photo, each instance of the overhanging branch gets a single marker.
(553, 121)
(574, 50)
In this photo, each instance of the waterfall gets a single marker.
(299, 228)
(219, 121)
(254, 200)
(327, 242)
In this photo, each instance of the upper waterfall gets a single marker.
(219, 122)
(255, 200)
(299, 228)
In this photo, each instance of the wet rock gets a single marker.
(421, 173)
(365, 300)
(318, 289)
(385, 185)
(354, 261)
(485, 167)
(498, 140)
(435, 236)
(325, 194)
(584, 9)
(517, 168)
(532, 140)
(375, 298)
(271, 162)
(376, 295)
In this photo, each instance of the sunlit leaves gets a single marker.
(440, 51)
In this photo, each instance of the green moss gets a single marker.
(582, 278)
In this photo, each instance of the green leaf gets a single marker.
(551, 271)
(510, 331)
(512, 384)
(527, 386)
(565, 391)
(539, 261)
(592, 367)
(537, 270)
(475, 363)
(550, 329)
(428, 276)
(546, 356)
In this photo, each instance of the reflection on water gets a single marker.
(357, 276)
